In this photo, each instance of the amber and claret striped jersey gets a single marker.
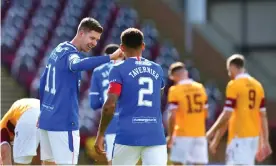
(9, 121)
(245, 98)
(190, 100)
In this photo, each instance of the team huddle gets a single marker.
(127, 88)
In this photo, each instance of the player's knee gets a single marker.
(5, 151)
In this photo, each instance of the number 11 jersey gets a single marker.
(59, 90)
(139, 103)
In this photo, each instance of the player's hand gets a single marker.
(118, 54)
(263, 152)
(213, 146)
(99, 145)
(210, 135)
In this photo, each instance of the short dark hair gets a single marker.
(174, 67)
(237, 60)
(111, 48)
(90, 24)
(132, 38)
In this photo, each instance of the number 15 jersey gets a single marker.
(139, 103)
(190, 99)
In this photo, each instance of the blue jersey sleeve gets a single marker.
(42, 86)
(115, 76)
(162, 78)
(78, 64)
(94, 94)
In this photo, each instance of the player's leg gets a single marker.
(126, 155)
(5, 153)
(239, 152)
(46, 154)
(199, 154)
(65, 146)
(26, 138)
(181, 150)
(155, 155)
(36, 159)
(109, 139)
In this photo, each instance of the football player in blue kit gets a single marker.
(135, 90)
(59, 93)
(98, 94)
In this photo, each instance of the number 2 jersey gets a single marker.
(245, 98)
(190, 99)
(138, 82)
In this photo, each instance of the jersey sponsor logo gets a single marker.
(144, 119)
(48, 107)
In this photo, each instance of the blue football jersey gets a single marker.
(59, 87)
(98, 92)
(139, 104)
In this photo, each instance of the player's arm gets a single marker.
(230, 104)
(94, 94)
(5, 140)
(108, 110)
(206, 105)
(172, 107)
(89, 63)
(172, 121)
(264, 122)
(264, 127)
(163, 84)
(42, 84)
(264, 145)
(114, 91)
(217, 137)
(107, 115)
(5, 147)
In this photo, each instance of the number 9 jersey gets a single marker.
(245, 98)
(139, 102)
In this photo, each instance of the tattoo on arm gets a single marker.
(107, 112)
